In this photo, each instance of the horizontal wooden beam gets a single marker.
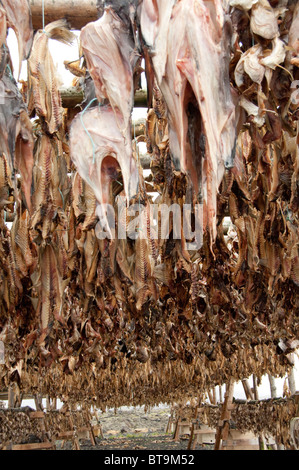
(72, 96)
(77, 12)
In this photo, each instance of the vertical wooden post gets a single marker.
(76, 443)
(214, 396)
(48, 403)
(255, 390)
(273, 388)
(90, 428)
(210, 397)
(274, 394)
(220, 394)
(256, 397)
(291, 380)
(177, 430)
(247, 389)
(11, 396)
(38, 402)
(294, 425)
(223, 425)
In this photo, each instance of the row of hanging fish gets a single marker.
(85, 315)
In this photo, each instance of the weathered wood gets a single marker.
(220, 394)
(291, 378)
(214, 396)
(247, 389)
(140, 100)
(223, 425)
(37, 415)
(273, 388)
(239, 441)
(77, 12)
(11, 396)
(256, 397)
(38, 400)
(202, 434)
(35, 446)
(73, 96)
(211, 397)
(180, 428)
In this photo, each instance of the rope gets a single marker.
(139, 229)
(9, 72)
(61, 197)
(43, 13)
(137, 151)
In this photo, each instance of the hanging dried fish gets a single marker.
(43, 94)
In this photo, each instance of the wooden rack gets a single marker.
(46, 444)
(76, 430)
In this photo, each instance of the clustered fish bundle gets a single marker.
(254, 416)
(142, 319)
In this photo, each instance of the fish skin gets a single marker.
(5, 181)
(10, 109)
(16, 136)
(24, 155)
(111, 59)
(109, 52)
(3, 26)
(21, 241)
(180, 36)
(19, 18)
(293, 54)
(109, 143)
(43, 86)
(42, 172)
(263, 20)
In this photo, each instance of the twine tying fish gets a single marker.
(139, 229)
(43, 14)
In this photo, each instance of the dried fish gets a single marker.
(43, 94)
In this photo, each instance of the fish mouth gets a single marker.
(111, 179)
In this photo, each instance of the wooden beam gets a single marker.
(73, 96)
(291, 378)
(256, 397)
(223, 424)
(247, 389)
(77, 12)
(140, 100)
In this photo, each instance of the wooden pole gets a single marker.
(77, 12)
(291, 379)
(73, 96)
(274, 394)
(220, 394)
(247, 389)
(273, 388)
(210, 397)
(256, 397)
(11, 396)
(223, 425)
(214, 396)
(38, 402)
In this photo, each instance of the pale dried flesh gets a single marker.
(136, 321)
